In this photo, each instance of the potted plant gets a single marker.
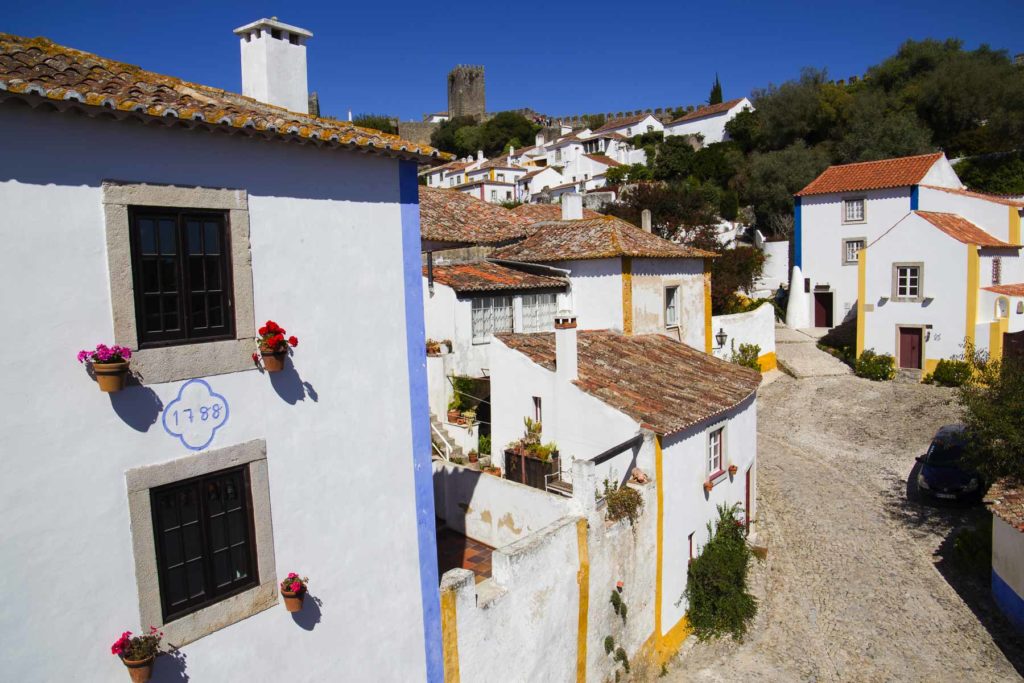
(109, 365)
(274, 346)
(470, 416)
(137, 653)
(433, 347)
(732, 470)
(293, 590)
(474, 456)
(708, 486)
(453, 410)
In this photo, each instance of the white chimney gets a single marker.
(572, 206)
(566, 362)
(274, 63)
(645, 220)
(479, 155)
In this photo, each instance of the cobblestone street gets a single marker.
(859, 583)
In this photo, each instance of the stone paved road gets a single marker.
(859, 584)
(798, 354)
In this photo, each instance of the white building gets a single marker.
(1006, 502)
(709, 122)
(623, 277)
(109, 176)
(878, 205)
(628, 126)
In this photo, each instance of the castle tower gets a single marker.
(466, 92)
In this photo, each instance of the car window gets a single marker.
(944, 453)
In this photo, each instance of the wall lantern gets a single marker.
(721, 337)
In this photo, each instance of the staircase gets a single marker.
(442, 444)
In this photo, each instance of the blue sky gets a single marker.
(559, 58)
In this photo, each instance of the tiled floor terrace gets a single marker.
(455, 550)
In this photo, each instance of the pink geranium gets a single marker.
(294, 583)
(105, 354)
(137, 648)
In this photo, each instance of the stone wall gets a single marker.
(417, 131)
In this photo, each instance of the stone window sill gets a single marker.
(189, 361)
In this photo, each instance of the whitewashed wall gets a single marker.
(492, 510)
(650, 278)
(991, 217)
(822, 237)
(596, 292)
(327, 264)
(711, 128)
(687, 508)
(776, 266)
(945, 283)
(1008, 569)
(752, 327)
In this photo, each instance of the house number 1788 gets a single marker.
(205, 413)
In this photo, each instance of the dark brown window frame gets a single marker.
(187, 334)
(214, 596)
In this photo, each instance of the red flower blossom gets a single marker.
(255, 358)
(295, 587)
(293, 340)
(263, 330)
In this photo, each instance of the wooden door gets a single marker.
(823, 309)
(910, 348)
(1013, 345)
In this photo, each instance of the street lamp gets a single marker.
(721, 337)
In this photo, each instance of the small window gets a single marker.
(650, 129)
(181, 268)
(672, 306)
(293, 38)
(501, 177)
(715, 444)
(689, 542)
(629, 131)
(275, 33)
(491, 315)
(853, 210)
(508, 194)
(538, 415)
(851, 248)
(997, 270)
(494, 195)
(907, 283)
(539, 312)
(205, 546)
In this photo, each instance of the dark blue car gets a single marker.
(944, 474)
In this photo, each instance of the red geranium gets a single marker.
(272, 338)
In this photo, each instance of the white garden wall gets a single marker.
(753, 327)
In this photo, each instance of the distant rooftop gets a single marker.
(872, 175)
(484, 276)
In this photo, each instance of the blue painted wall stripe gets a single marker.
(420, 419)
(1009, 602)
(914, 197)
(798, 257)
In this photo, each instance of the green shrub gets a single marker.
(972, 548)
(484, 444)
(952, 373)
(747, 356)
(716, 586)
(877, 367)
(623, 503)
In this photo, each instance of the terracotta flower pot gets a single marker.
(708, 486)
(139, 670)
(453, 415)
(273, 361)
(110, 376)
(293, 601)
(732, 470)
(474, 457)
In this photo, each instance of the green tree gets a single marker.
(716, 584)
(716, 92)
(993, 405)
(444, 137)
(381, 122)
(745, 130)
(769, 179)
(498, 131)
(876, 131)
(998, 173)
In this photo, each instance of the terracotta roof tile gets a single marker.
(872, 175)
(997, 198)
(37, 67)
(961, 229)
(484, 276)
(603, 159)
(593, 238)
(1015, 289)
(547, 212)
(655, 380)
(1005, 499)
(453, 216)
(710, 110)
(620, 123)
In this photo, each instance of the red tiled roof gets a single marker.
(710, 110)
(454, 216)
(1005, 499)
(655, 380)
(997, 198)
(593, 238)
(547, 212)
(1015, 289)
(961, 229)
(602, 159)
(484, 276)
(872, 175)
(620, 123)
(33, 68)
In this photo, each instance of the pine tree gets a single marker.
(716, 92)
